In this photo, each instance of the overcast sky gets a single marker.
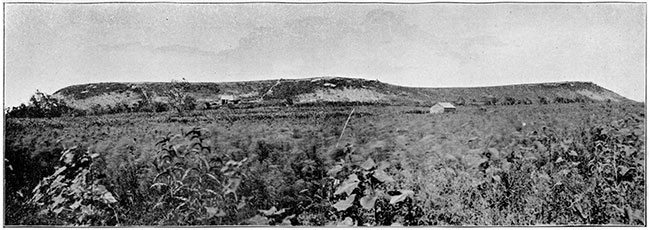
(50, 46)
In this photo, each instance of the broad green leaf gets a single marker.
(57, 182)
(108, 198)
(397, 224)
(221, 213)
(353, 178)
(287, 220)
(100, 189)
(578, 208)
(68, 158)
(616, 208)
(401, 197)
(226, 167)
(623, 170)
(635, 215)
(492, 171)
(76, 204)
(334, 170)
(344, 204)
(43, 212)
(368, 201)
(258, 220)
(58, 210)
(87, 209)
(382, 176)
(564, 172)
(573, 153)
(543, 176)
(269, 212)
(279, 212)
(58, 200)
(346, 188)
(233, 184)
(215, 211)
(211, 211)
(383, 165)
(348, 185)
(369, 164)
(559, 160)
(473, 161)
(59, 171)
(347, 222)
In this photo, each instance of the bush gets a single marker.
(179, 98)
(40, 105)
(74, 194)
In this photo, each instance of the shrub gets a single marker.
(190, 187)
(366, 196)
(40, 105)
(179, 98)
(74, 194)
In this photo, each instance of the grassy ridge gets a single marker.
(290, 89)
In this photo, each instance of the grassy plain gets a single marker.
(553, 164)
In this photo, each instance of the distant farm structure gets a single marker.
(229, 100)
(225, 99)
(442, 107)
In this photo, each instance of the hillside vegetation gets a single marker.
(334, 89)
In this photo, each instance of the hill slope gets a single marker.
(335, 89)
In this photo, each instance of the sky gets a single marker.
(51, 46)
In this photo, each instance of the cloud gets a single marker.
(175, 49)
(318, 45)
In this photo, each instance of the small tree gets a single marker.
(40, 105)
(179, 99)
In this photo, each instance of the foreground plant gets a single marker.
(367, 196)
(74, 194)
(193, 185)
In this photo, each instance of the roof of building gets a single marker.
(446, 105)
(228, 97)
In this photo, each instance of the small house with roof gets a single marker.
(442, 107)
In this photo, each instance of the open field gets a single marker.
(555, 164)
